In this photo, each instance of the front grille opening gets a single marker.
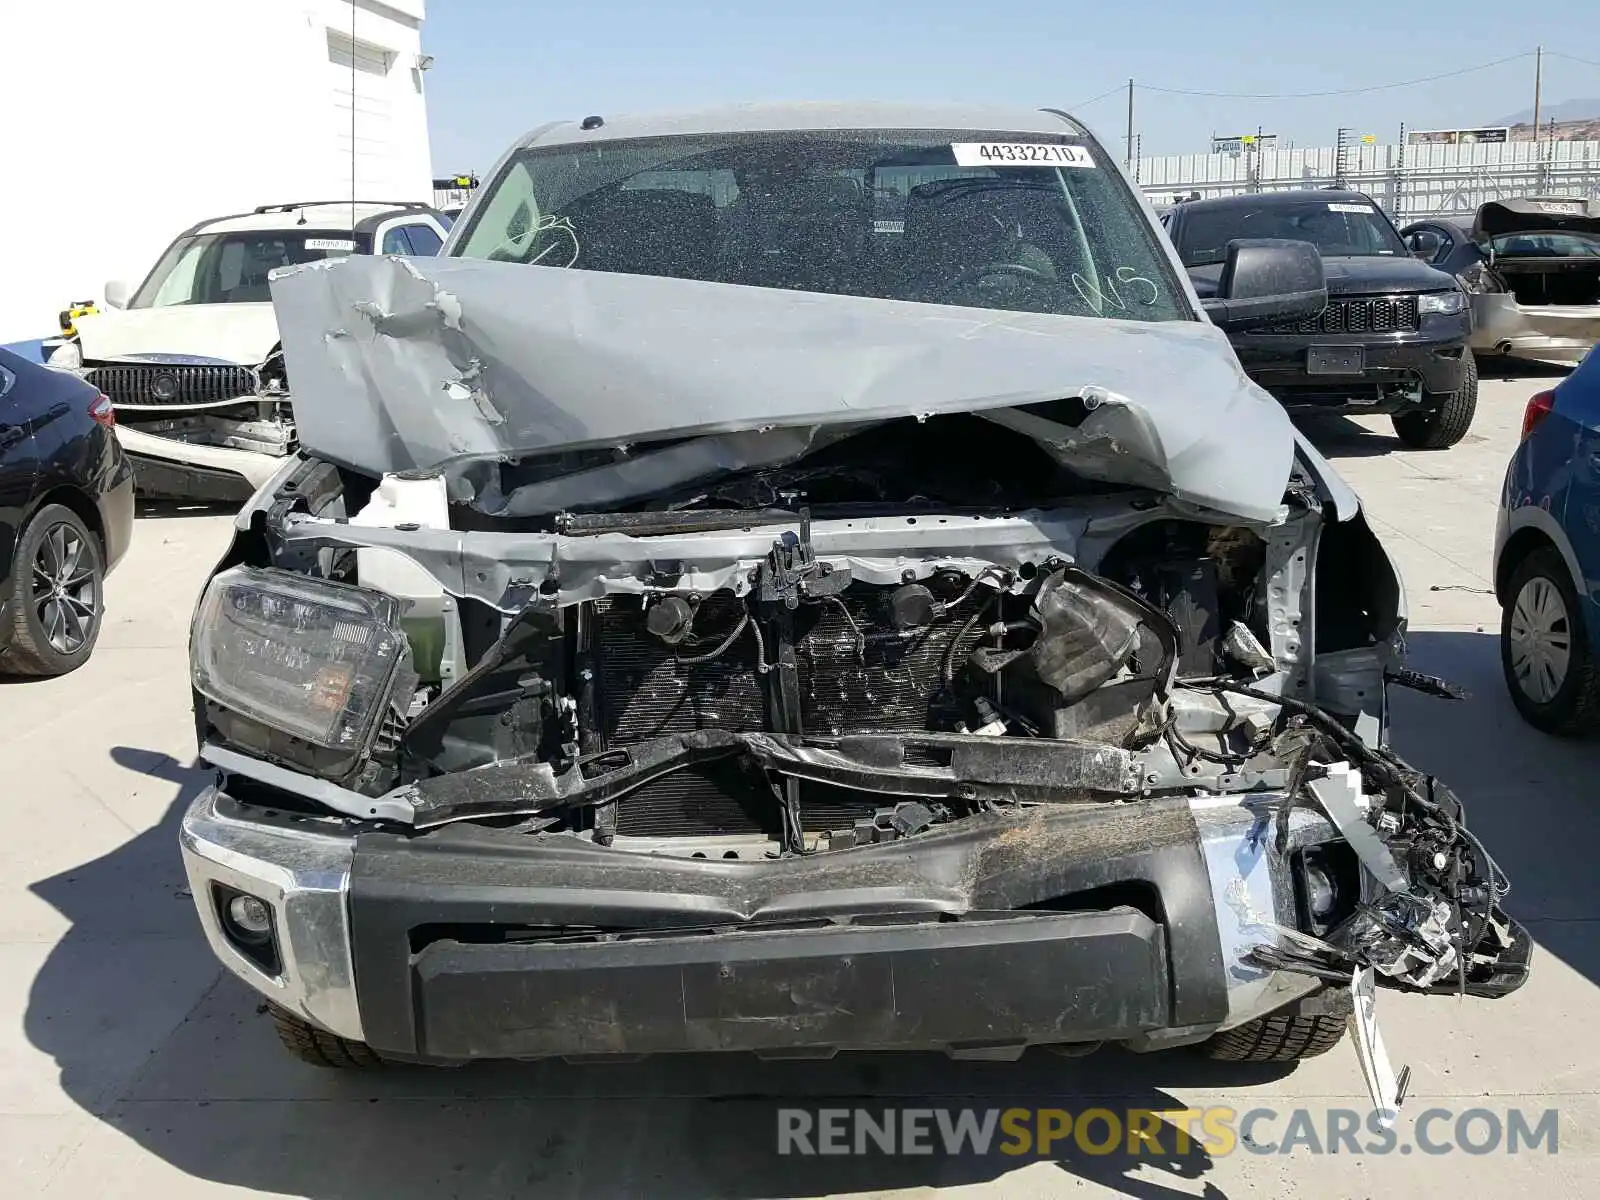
(855, 675)
(1359, 314)
(173, 385)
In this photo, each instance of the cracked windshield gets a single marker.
(1024, 223)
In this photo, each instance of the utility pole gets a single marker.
(1130, 123)
(1538, 88)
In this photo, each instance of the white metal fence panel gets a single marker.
(1408, 181)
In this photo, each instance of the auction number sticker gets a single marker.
(1350, 208)
(330, 244)
(1020, 154)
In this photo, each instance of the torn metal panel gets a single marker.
(421, 364)
(1340, 794)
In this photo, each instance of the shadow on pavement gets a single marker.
(1492, 366)
(1339, 437)
(211, 1094)
(1529, 796)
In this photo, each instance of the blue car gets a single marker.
(1547, 558)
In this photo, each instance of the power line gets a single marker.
(1103, 95)
(1377, 87)
(1553, 54)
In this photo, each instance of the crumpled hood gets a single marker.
(418, 364)
(236, 333)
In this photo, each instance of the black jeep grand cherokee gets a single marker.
(1393, 337)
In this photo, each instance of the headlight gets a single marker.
(316, 660)
(67, 357)
(1441, 302)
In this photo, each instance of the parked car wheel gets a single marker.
(57, 595)
(1544, 648)
(319, 1047)
(1444, 419)
(1311, 1027)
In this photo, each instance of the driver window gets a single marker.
(423, 240)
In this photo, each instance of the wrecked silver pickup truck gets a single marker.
(811, 578)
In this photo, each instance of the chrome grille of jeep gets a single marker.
(173, 385)
(1359, 314)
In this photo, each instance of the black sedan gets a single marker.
(66, 516)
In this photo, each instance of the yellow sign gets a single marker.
(1368, 139)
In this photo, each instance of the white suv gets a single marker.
(190, 358)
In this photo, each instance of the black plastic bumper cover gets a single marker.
(1432, 358)
(156, 479)
(1017, 978)
(960, 936)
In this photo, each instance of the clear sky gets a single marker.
(502, 66)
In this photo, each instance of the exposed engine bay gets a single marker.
(851, 651)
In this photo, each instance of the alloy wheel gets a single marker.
(66, 589)
(1540, 637)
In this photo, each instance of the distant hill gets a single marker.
(1567, 110)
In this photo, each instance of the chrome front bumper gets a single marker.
(302, 869)
(303, 873)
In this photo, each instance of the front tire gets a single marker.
(1545, 653)
(57, 595)
(318, 1047)
(1305, 1029)
(1446, 417)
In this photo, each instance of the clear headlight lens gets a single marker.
(314, 659)
(66, 357)
(1441, 302)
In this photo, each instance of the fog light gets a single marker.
(1320, 894)
(250, 917)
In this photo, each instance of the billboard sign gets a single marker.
(1244, 141)
(1457, 137)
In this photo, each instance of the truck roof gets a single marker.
(316, 214)
(808, 115)
(1260, 200)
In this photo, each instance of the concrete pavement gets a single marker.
(129, 1066)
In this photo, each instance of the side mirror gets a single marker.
(117, 294)
(1265, 281)
(1425, 244)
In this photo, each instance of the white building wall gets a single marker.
(126, 121)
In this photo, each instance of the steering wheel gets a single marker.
(1014, 269)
